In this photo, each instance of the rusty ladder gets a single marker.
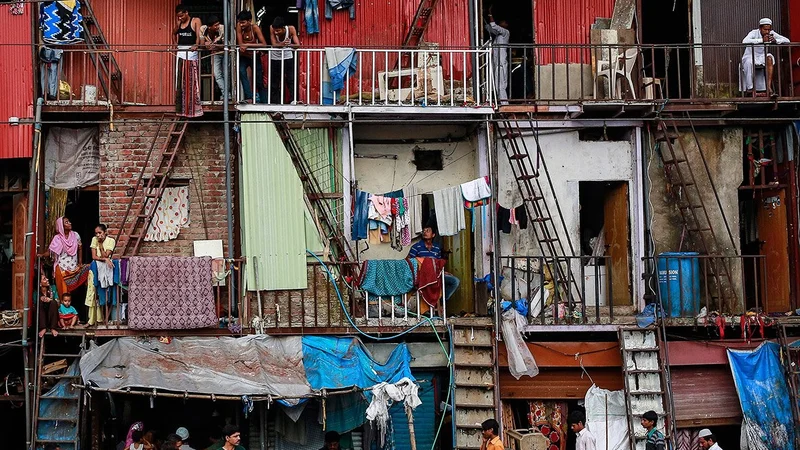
(314, 194)
(527, 173)
(152, 187)
(692, 208)
(108, 71)
(420, 23)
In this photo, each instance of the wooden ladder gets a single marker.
(692, 208)
(646, 381)
(150, 185)
(474, 378)
(60, 406)
(420, 23)
(527, 167)
(101, 53)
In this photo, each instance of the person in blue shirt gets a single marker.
(426, 248)
(67, 314)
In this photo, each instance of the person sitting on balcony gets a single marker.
(67, 314)
(281, 72)
(426, 248)
(187, 86)
(249, 35)
(48, 308)
(756, 58)
(213, 36)
(500, 37)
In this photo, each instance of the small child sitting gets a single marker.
(67, 314)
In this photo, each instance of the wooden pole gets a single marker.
(411, 434)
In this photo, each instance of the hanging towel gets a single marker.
(340, 63)
(388, 276)
(476, 190)
(360, 215)
(449, 211)
(414, 209)
(521, 217)
(171, 215)
(429, 279)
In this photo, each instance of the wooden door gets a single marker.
(18, 244)
(773, 236)
(460, 264)
(618, 242)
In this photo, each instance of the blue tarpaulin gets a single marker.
(764, 396)
(335, 363)
(58, 411)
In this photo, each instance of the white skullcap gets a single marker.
(705, 432)
(765, 21)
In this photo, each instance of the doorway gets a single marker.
(664, 23)
(519, 14)
(605, 234)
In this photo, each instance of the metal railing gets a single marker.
(645, 72)
(686, 285)
(552, 301)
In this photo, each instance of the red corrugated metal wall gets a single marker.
(384, 24)
(566, 22)
(141, 25)
(16, 74)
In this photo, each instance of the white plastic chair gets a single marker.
(625, 64)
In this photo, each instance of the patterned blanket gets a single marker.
(62, 22)
(170, 293)
(388, 276)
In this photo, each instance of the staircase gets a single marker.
(150, 184)
(474, 379)
(646, 382)
(319, 203)
(58, 403)
(527, 167)
(420, 23)
(108, 71)
(692, 208)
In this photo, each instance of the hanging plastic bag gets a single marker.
(520, 359)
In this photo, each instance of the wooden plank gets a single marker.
(473, 356)
(19, 228)
(474, 396)
(774, 237)
(562, 354)
(472, 336)
(617, 236)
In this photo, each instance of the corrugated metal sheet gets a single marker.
(424, 416)
(561, 354)
(17, 76)
(727, 22)
(558, 383)
(384, 25)
(705, 396)
(566, 22)
(273, 217)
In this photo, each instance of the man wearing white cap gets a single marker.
(707, 440)
(184, 435)
(756, 60)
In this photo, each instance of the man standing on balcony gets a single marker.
(281, 72)
(756, 61)
(249, 36)
(500, 38)
(187, 85)
(213, 36)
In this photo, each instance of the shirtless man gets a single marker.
(249, 36)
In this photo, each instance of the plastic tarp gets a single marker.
(764, 396)
(58, 409)
(520, 358)
(250, 365)
(606, 414)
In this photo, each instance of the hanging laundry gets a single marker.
(476, 190)
(339, 5)
(449, 211)
(340, 63)
(414, 209)
(429, 279)
(503, 219)
(388, 277)
(394, 194)
(171, 215)
(61, 22)
(383, 207)
(521, 215)
(404, 223)
(360, 215)
(310, 10)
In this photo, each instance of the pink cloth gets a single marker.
(129, 439)
(63, 243)
(382, 204)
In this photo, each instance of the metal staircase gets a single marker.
(527, 167)
(692, 208)
(474, 379)
(108, 71)
(646, 382)
(57, 416)
(420, 23)
(150, 184)
(319, 203)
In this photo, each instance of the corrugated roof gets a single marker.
(567, 22)
(273, 211)
(705, 396)
(16, 74)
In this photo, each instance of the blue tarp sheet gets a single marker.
(764, 396)
(335, 363)
(58, 408)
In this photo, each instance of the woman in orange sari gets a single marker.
(65, 249)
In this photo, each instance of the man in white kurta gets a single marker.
(757, 64)
(500, 37)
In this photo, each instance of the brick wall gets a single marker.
(200, 161)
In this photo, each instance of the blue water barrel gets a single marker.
(679, 283)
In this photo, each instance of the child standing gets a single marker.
(48, 308)
(67, 314)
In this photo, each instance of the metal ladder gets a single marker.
(474, 379)
(108, 71)
(314, 194)
(527, 172)
(60, 406)
(692, 208)
(420, 23)
(646, 381)
(170, 132)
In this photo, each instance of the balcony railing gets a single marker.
(691, 72)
